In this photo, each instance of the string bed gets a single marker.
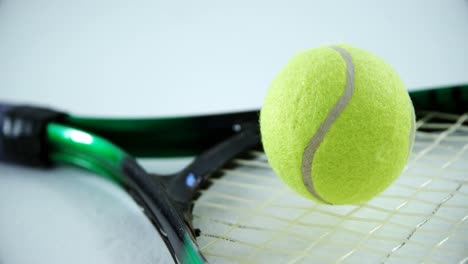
(249, 216)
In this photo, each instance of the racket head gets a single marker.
(249, 216)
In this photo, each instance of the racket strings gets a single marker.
(250, 216)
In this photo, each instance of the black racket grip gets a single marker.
(3, 110)
(23, 138)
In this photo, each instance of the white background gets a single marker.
(157, 58)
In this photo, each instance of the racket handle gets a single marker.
(3, 110)
(23, 137)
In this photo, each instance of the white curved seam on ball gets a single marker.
(314, 143)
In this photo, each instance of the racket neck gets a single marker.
(186, 185)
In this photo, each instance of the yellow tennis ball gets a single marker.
(337, 124)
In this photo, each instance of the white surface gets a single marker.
(159, 58)
(170, 57)
(69, 216)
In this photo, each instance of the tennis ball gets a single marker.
(337, 124)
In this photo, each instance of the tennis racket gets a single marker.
(227, 206)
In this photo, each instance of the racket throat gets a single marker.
(186, 186)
